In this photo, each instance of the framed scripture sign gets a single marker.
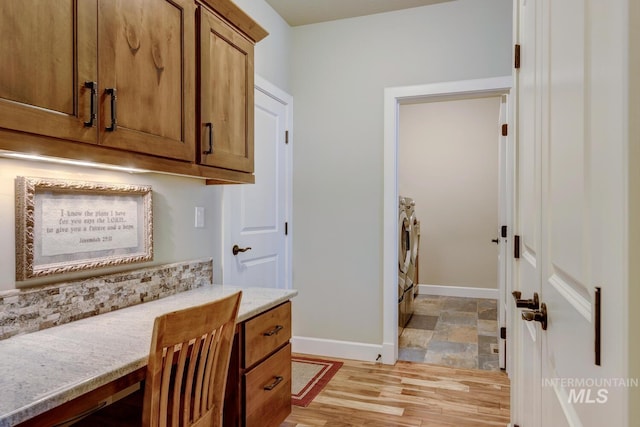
(64, 226)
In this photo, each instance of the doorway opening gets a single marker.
(394, 97)
(448, 167)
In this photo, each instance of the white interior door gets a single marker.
(569, 197)
(257, 216)
(527, 340)
(578, 238)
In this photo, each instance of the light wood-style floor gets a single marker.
(407, 394)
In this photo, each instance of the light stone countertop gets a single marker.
(44, 369)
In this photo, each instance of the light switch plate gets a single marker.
(199, 220)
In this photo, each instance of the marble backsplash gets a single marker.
(33, 309)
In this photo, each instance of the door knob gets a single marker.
(496, 241)
(537, 316)
(532, 304)
(237, 249)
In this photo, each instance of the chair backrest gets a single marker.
(188, 365)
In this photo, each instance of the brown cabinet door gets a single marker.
(146, 53)
(48, 51)
(226, 96)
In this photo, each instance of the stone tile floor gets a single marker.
(452, 331)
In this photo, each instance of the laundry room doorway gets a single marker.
(451, 175)
(445, 150)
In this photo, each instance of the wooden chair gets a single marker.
(187, 368)
(194, 396)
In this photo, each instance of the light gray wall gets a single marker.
(339, 72)
(272, 54)
(448, 163)
(174, 200)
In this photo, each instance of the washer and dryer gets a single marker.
(405, 272)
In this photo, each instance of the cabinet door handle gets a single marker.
(210, 150)
(114, 119)
(278, 379)
(94, 103)
(274, 331)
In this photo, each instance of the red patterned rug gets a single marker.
(309, 376)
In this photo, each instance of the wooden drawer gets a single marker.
(267, 390)
(266, 333)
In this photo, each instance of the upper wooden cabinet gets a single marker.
(48, 50)
(114, 81)
(226, 95)
(146, 51)
(137, 81)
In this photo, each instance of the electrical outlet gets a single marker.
(199, 220)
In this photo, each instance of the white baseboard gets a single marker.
(343, 349)
(458, 291)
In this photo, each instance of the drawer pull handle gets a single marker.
(273, 385)
(274, 331)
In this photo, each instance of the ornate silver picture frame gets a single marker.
(64, 226)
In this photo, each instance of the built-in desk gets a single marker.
(96, 356)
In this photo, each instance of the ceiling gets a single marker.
(303, 12)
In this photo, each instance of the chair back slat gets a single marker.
(202, 362)
(188, 391)
(211, 363)
(180, 367)
(206, 369)
(188, 364)
(165, 385)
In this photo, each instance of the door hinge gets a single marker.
(505, 129)
(286, 136)
(516, 247)
(286, 228)
(516, 56)
(503, 333)
(503, 231)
